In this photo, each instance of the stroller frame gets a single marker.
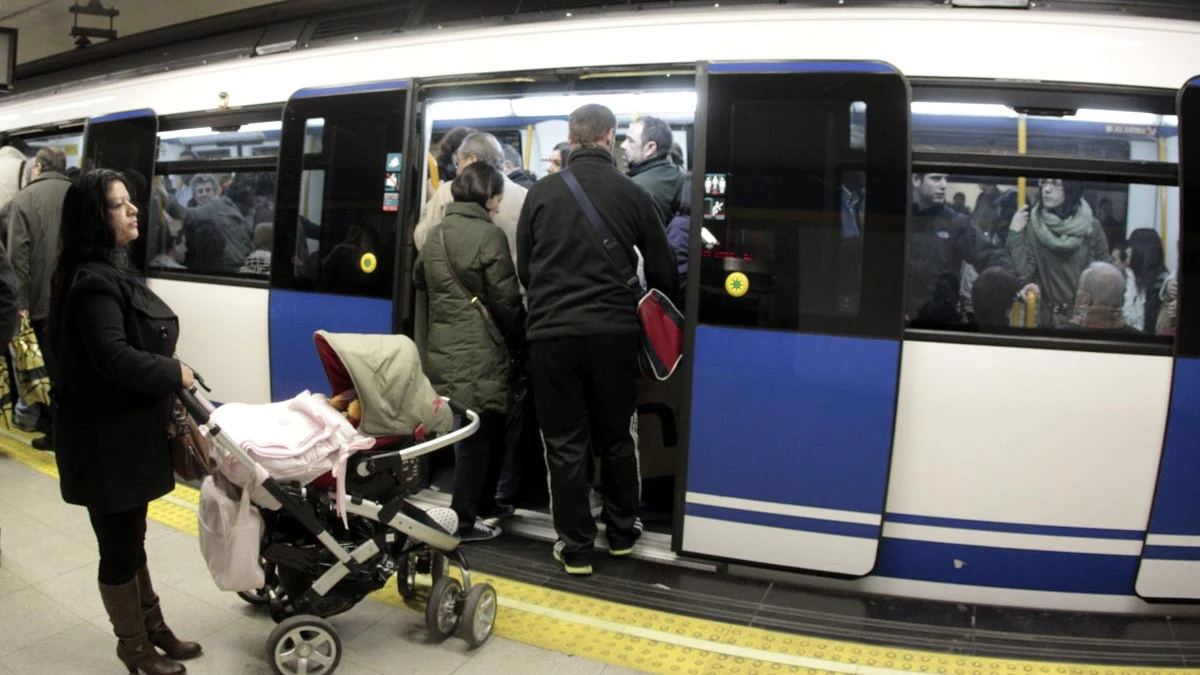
(449, 602)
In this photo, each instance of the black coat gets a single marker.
(114, 374)
(571, 286)
(940, 240)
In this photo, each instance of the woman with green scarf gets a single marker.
(1052, 244)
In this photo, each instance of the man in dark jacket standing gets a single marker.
(583, 334)
(941, 240)
(34, 221)
(647, 150)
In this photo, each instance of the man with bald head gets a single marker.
(483, 147)
(1099, 300)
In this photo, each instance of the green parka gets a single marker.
(465, 358)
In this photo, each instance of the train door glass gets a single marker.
(340, 190)
(126, 142)
(1170, 564)
(71, 144)
(214, 208)
(530, 124)
(800, 208)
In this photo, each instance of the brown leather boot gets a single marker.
(134, 648)
(156, 627)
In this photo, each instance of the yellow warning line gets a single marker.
(653, 641)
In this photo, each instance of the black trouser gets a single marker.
(478, 461)
(122, 540)
(586, 394)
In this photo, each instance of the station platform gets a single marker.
(631, 616)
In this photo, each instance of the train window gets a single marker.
(997, 129)
(800, 201)
(71, 144)
(258, 139)
(213, 223)
(340, 184)
(1065, 258)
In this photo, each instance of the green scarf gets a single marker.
(1059, 235)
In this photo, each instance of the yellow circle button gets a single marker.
(368, 262)
(736, 284)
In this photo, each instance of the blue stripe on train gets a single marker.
(389, 85)
(784, 522)
(295, 316)
(802, 67)
(124, 115)
(1171, 553)
(1176, 508)
(1017, 528)
(1006, 567)
(792, 418)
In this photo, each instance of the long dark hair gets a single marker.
(86, 235)
(1072, 199)
(447, 146)
(1146, 257)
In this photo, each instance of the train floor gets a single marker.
(641, 615)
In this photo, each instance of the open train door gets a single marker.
(126, 142)
(1170, 565)
(796, 281)
(337, 213)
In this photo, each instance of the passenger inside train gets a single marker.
(526, 136)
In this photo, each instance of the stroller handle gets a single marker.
(434, 444)
(195, 403)
(199, 408)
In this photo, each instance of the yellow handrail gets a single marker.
(435, 178)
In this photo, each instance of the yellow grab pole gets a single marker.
(528, 145)
(1162, 195)
(434, 178)
(1022, 148)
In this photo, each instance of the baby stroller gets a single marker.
(318, 563)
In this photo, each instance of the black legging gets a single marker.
(122, 540)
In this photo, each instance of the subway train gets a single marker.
(821, 428)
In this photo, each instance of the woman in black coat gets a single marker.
(113, 339)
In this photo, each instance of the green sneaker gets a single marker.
(577, 568)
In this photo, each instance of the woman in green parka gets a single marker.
(475, 312)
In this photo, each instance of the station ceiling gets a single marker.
(44, 26)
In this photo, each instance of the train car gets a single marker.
(845, 415)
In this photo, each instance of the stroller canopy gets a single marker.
(396, 397)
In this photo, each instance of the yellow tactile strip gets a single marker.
(653, 641)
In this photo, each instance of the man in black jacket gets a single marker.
(941, 240)
(647, 150)
(583, 334)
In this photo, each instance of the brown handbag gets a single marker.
(189, 447)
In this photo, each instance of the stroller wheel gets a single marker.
(478, 615)
(442, 614)
(256, 597)
(406, 576)
(262, 596)
(304, 645)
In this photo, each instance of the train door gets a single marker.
(126, 141)
(796, 286)
(1170, 563)
(528, 113)
(336, 265)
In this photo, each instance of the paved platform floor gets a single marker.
(52, 621)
